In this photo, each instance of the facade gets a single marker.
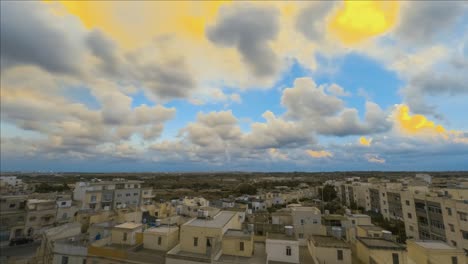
(12, 217)
(379, 250)
(201, 238)
(40, 215)
(283, 248)
(126, 233)
(328, 249)
(306, 222)
(161, 238)
(238, 243)
(431, 251)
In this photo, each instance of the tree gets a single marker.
(245, 188)
(327, 193)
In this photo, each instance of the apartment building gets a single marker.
(433, 251)
(379, 250)
(105, 195)
(201, 238)
(328, 249)
(12, 217)
(282, 247)
(62, 244)
(66, 210)
(161, 238)
(40, 216)
(306, 222)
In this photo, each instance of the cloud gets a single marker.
(248, 28)
(421, 22)
(318, 154)
(326, 113)
(365, 142)
(372, 158)
(31, 35)
(414, 124)
(277, 133)
(337, 90)
(311, 20)
(356, 21)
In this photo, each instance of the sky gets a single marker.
(234, 86)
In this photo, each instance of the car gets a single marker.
(20, 240)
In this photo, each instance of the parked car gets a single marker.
(20, 241)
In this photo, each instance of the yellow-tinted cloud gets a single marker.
(319, 154)
(415, 124)
(132, 22)
(360, 20)
(364, 141)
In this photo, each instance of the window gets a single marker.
(119, 195)
(452, 228)
(135, 194)
(410, 215)
(463, 216)
(159, 240)
(302, 221)
(411, 228)
(288, 251)
(449, 211)
(195, 241)
(93, 198)
(395, 258)
(315, 221)
(64, 216)
(454, 260)
(63, 203)
(241, 246)
(125, 236)
(84, 261)
(12, 205)
(64, 260)
(127, 194)
(301, 235)
(407, 202)
(339, 254)
(32, 219)
(353, 221)
(465, 234)
(454, 243)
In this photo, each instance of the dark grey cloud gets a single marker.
(249, 28)
(29, 36)
(105, 49)
(423, 21)
(311, 20)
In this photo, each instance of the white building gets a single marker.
(282, 248)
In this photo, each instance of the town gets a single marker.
(235, 218)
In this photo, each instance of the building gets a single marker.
(12, 217)
(62, 244)
(161, 238)
(282, 248)
(431, 251)
(126, 233)
(65, 209)
(40, 216)
(379, 250)
(201, 238)
(238, 243)
(328, 249)
(306, 222)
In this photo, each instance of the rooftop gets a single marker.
(380, 243)
(162, 229)
(334, 217)
(328, 241)
(371, 227)
(306, 209)
(128, 225)
(433, 244)
(280, 236)
(218, 221)
(234, 233)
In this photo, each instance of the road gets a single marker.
(20, 251)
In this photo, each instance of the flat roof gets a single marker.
(328, 241)
(380, 243)
(334, 217)
(128, 225)
(360, 215)
(234, 233)
(371, 227)
(306, 209)
(162, 229)
(433, 244)
(218, 221)
(280, 236)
